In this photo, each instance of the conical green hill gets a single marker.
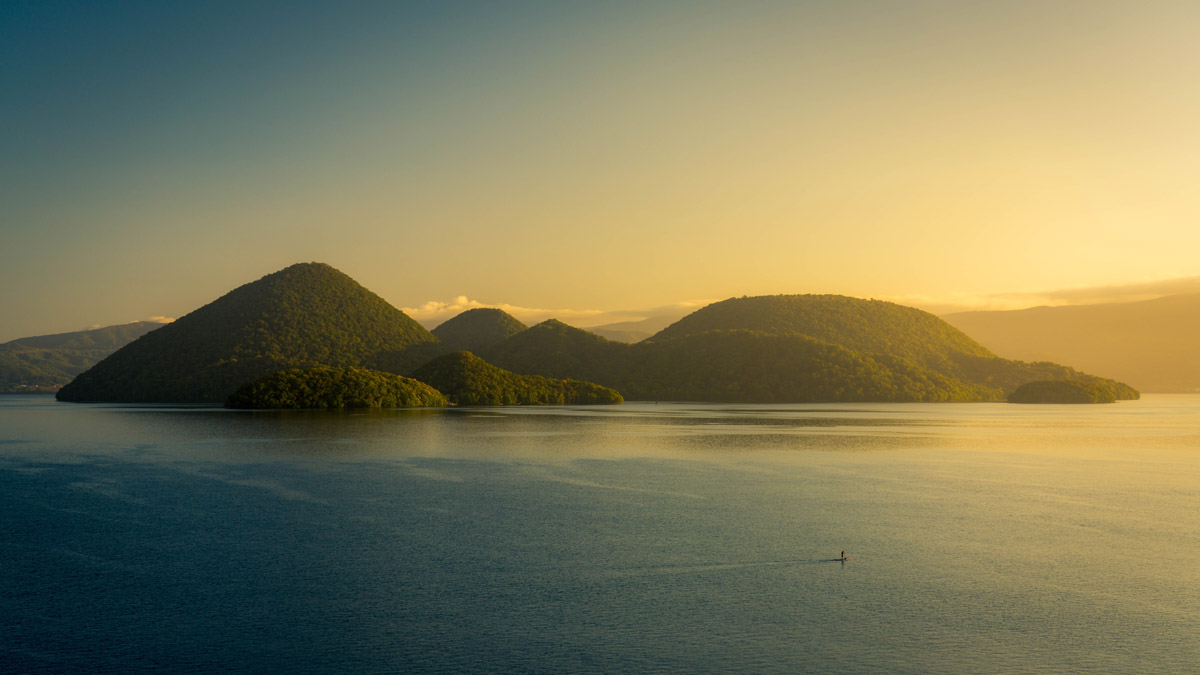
(475, 329)
(554, 349)
(309, 314)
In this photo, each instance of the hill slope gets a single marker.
(1061, 391)
(758, 350)
(46, 362)
(306, 315)
(554, 349)
(475, 329)
(1150, 344)
(466, 379)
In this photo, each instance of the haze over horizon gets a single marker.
(601, 160)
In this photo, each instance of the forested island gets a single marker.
(785, 349)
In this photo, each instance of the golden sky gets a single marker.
(593, 158)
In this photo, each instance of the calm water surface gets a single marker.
(641, 538)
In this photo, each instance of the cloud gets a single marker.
(161, 319)
(435, 312)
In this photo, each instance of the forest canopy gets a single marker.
(786, 349)
(477, 328)
(1062, 391)
(467, 379)
(323, 387)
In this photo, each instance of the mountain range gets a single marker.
(787, 348)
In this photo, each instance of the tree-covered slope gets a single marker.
(323, 387)
(867, 326)
(47, 362)
(1062, 391)
(476, 329)
(752, 366)
(466, 379)
(554, 349)
(734, 365)
(1008, 375)
(306, 315)
(756, 350)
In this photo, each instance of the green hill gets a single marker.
(47, 362)
(476, 329)
(554, 349)
(323, 387)
(867, 326)
(732, 366)
(306, 315)
(467, 379)
(785, 349)
(752, 366)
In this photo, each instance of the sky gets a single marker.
(594, 159)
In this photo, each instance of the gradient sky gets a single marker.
(591, 156)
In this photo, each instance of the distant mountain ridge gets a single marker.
(1149, 343)
(46, 362)
(634, 331)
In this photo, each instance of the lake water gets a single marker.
(984, 538)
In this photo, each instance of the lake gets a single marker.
(643, 538)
